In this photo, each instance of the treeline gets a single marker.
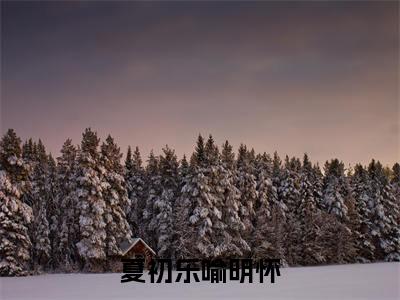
(71, 213)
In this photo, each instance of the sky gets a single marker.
(315, 77)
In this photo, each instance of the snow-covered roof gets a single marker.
(125, 246)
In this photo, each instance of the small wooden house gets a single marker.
(137, 248)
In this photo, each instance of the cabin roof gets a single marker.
(126, 245)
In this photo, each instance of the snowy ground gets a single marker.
(371, 281)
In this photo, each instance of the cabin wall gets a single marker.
(115, 264)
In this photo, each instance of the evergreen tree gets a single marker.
(184, 169)
(12, 163)
(66, 251)
(307, 214)
(289, 189)
(335, 189)
(28, 151)
(153, 193)
(53, 211)
(115, 197)
(247, 185)
(384, 212)
(228, 239)
(263, 206)
(41, 194)
(271, 212)
(395, 182)
(317, 184)
(198, 158)
(277, 173)
(90, 186)
(361, 221)
(15, 215)
(195, 207)
(135, 181)
(163, 207)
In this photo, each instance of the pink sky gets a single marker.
(312, 77)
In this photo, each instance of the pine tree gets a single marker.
(195, 207)
(271, 214)
(179, 211)
(184, 169)
(395, 182)
(289, 189)
(115, 197)
(384, 211)
(15, 215)
(10, 158)
(41, 195)
(263, 204)
(66, 251)
(135, 180)
(277, 173)
(153, 193)
(28, 151)
(90, 186)
(53, 212)
(263, 172)
(317, 184)
(198, 158)
(228, 239)
(307, 213)
(163, 207)
(247, 185)
(335, 189)
(361, 222)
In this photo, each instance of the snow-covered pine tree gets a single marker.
(183, 170)
(115, 197)
(29, 159)
(180, 211)
(53, 211)
(90, 186)
(289, 188)
(15, 215)
(362, 223)
(247, 185)
(384, 212)
(195, 208)
(198, 157)
(263, 173)
(135, 180)
(277, 173)
(336, 189)
(11, 160)
(317, 181)
(153, 194)
(228, 239)
(28, 151)
(270, 231)
(163, 206)
(308, 203)
(395, 182)
(289, 194)
(66, 251)
(41, 195)
(263, 207)
(353, 223)
(309, 251)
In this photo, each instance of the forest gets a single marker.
(70, 213)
